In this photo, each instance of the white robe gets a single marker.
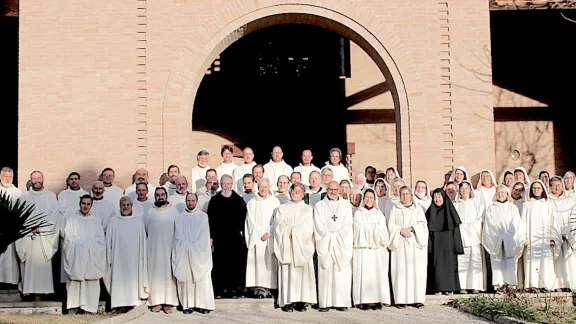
(339, 172)
(9, 272)
(203, 200)
(104, 210)
(127, 267)
(423, 203)
(192, 260)
(370, 261)
(334, 245)
(170, 188)
(389, 202)
(198, 177)
(84, 255)
(542, 225)
(409, 256)
(305, 172)
(113, 195)
(471, 268)
(485, 196)
(36, 250)
(261, 267)
(70, 199)
(142, 208)
(294, 249)
(131, 192)
(178, 201)
(565, 210)
(160, 230)
(503, 237)
(238, 175)
(225, 168)
(273, 170)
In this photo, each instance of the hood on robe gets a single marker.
(427, 196)
(564, 177)
(512, 187)
(508, 197)
(453, 175)
(530, 196)
(362, 205)
(391, 194)
(526, 177)
(504, 176)
(442, 218)
(472, 194)
(395, 171)
(387, 186)
(479, 184)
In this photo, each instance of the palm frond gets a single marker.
(18, 220)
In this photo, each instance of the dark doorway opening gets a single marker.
(282, 85)
(9, 92)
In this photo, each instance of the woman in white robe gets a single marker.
(458, 177)
(520, 174)
(382, 189)
(409, 251)
(544, 239)
(569, 183)
(471, 266)
(391, 174)
(422, 195)
(486, 189)
(565, 209)
(192, 259)
(503, 237)
(370, 286)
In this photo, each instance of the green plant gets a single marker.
(18, 220)
(499, 307)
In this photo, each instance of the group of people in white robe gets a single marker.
(309, 235)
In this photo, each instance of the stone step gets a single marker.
(41, 307)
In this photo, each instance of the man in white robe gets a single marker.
(295, 177)
(339, 171)
(261, 267)
(565, 210)
(306, 167)
(370, 173)
(503, 237)
(170, 186)
(178, 198)
(334, 245)
(393, 197)
(327, 177)
(102, 208)
(9, 272)
(244, 168)
(141, 175)
(248, 183)
(112, 193)
(294, 244)
(276, 167)
(84, 255)
(258, 172)
(192, 259)
(126, 278)
(204, 198)
(36, 250)
(544, 239)
(160, 230)
(70, 197)
(142, 204)
(409, 251)
(283, 188)
(211, 173)
(360, 182)
(314, 192)
(199, 171)
(227, 166)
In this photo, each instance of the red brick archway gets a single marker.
(352, 21)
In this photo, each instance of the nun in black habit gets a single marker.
(444, 244)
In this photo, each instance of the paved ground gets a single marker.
(428, 315)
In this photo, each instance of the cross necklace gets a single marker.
(334, 217)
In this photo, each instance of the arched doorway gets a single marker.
(199, 54)
(299, 86)
(281, 85)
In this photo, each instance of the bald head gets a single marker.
(142, 174)
(248, 155)
(333, 190)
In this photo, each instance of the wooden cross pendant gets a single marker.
(334, 217)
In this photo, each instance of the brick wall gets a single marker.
(113, 84)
